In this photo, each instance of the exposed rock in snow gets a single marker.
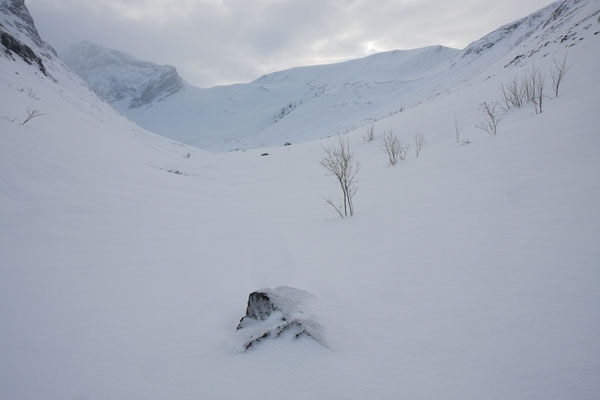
(273, 313)
(14, 46)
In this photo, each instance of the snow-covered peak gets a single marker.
(121, 79)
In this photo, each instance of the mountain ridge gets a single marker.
(311, 102)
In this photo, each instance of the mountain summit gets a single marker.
(121, 79)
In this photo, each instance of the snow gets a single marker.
(469, 272)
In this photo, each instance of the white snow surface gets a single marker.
(470, 272)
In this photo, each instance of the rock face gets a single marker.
(13, 46)
(279, 312)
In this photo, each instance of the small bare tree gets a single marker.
(491, 114)
(340, 162)
(369, 135)
(456, 129)
(559, 70)
(392, 147)
(419, 143)
(31, 114)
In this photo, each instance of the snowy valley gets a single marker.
(468, 272)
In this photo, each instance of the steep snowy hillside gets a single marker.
(312, 102)
(468, 272)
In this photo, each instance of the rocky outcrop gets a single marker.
(277, 313)
(12, 46)
(164, 84)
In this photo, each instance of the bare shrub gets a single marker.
(491, 114)
(392, 147)
(419, 143)
(340, 162)
(456, 129)
(558, 72)
(31, 114)
(533, 87)
(369, 135)
(403, 151)
(512, 94)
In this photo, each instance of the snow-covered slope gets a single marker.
(469, 272)
(312, 102)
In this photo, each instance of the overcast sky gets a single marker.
(215, 42)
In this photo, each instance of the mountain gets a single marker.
(468, 272)
(122, 80)
(307, 103)
(273, 109)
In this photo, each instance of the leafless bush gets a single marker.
(558, 72)
(512, 94)
(419, 143)
(31, 114)
(369, 135)
(491, 114)
(403, 151)
(392, 147)
(340, 162)
(533, 86)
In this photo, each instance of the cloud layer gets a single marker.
(215, 42)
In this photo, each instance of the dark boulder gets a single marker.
(279, 312)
